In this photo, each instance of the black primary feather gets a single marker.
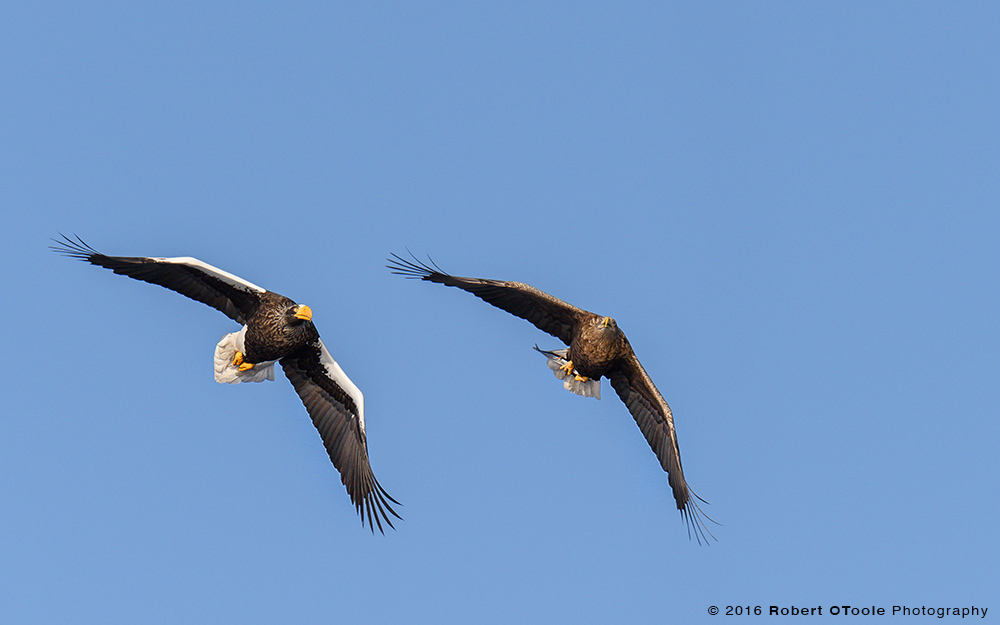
(237, 303)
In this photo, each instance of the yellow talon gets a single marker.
(239, 362)
(568, 367)
(581, 378)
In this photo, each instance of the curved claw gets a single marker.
(568, 368)
(239, 362)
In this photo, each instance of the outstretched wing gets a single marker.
(235, 297)
(338, 411)
(547, 313)
(654, 418)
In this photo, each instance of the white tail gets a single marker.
(555, 360)
(228, 373)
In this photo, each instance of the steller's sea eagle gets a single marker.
(597, 347)
(275, 329)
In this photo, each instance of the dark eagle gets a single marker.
(597, 347)
(275, 329)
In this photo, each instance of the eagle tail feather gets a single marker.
(555, 360)
(228, 373)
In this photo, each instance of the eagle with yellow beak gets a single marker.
(597, 348)
(275, 329)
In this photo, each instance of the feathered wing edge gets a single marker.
(233, 296)
(654, 418)
(547, 313)
(338, 419)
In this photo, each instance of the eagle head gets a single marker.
(605, 329)
(297, 315)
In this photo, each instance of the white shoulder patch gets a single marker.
(228, 373)
(335, 373)
(556, 359)
(225, 276)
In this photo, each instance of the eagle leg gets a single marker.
(568, 368)
(239, 362)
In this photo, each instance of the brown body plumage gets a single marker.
(598, 345)
(274, 331)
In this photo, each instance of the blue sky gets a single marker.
(790, 208)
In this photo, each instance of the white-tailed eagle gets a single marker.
(597, 347)
(275, 329)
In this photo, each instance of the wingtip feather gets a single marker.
(694, 517)
(74, 248)
(414, 269)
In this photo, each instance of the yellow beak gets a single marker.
(304, 313)
(607, 321)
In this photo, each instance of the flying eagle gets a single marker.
(597, 347)
(275, 329)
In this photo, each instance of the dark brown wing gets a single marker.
(547, 313)
(233, 296)
(654, 418)
(337, 410)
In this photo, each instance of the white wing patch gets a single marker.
(228, 373)
(335, 373)
(225, 276)
(556, 359)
